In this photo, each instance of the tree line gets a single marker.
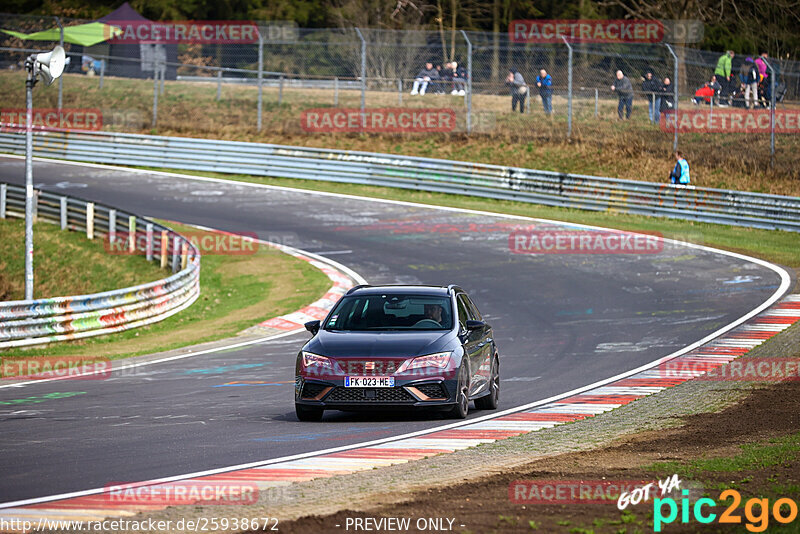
(746, 26)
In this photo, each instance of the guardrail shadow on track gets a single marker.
(756, 210)
(39, 321)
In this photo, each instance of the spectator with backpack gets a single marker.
(750, 78)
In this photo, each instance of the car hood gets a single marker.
(378, 344)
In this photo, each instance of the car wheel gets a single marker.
(308, 413)
(461, 409)
(490, 401)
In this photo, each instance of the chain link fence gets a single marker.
(267, 86)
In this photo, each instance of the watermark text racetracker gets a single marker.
(787, 121)
(208, 243)
(555, 241)
(51, 119)
(586, 31)
(181, 31)
(378, 120)
(61, 367)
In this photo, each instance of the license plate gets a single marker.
(369, 381)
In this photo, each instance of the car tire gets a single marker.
(308, 413)
(490, 401)
(461, 408)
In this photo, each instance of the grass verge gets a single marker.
(65, 263)
(771, 245)
(236, 292)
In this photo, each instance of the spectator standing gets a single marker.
(652, 89)
(723, 73)
(680, 174)
(545, 84)
(624, 90)
(519, 89)
(764, 81)
(667, 97)
(424, 77)
(750, 78)
(459, 79)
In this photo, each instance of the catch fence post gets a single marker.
(260, 78)
(469, 81)
(363, 78)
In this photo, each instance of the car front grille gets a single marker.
(311, 390)
(370, 366)
(369, 395)
(432, 391)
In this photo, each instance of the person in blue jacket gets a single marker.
(545, 84)
(680, 174)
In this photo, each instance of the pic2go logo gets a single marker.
(783, 510)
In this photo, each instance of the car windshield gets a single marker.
(391, 311)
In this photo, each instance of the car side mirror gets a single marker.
(474, 325)
(313, 327)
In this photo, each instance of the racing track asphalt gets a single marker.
(561, 321)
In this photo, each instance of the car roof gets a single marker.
(404, 289)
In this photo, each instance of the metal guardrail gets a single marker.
(721, 206)
(34, 322)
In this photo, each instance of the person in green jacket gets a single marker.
(723, 73)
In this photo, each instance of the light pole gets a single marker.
(49, 67)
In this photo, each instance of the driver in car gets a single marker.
(434, 313)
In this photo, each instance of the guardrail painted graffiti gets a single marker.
(33, 322)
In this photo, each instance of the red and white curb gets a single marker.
(588, 403)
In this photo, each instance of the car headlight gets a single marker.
(440, 360)
(315, 360)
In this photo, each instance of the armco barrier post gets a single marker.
(336, 91)
(280, 90)
(163, 75)
(399, 92)
(3, 195)
(90, 220)
(63, 213)
(112, 226)
(175, 253)
(184, 254)
(102, 72)
(164, 248)
(149, 249)
(219, 85)
(132, 233)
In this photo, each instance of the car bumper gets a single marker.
(331, 394)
